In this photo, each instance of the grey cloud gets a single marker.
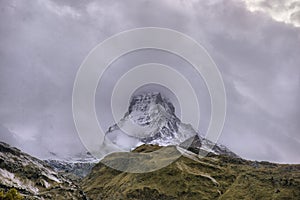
(42, 44)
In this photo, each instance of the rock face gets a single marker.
(156, 113)
(200, 145)
(190, 177)
(33, 178)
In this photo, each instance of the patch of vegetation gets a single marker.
(11, 194)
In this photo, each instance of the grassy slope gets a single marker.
(212, 177)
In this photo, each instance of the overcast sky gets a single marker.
(255, 44)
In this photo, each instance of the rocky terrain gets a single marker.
(33, 178)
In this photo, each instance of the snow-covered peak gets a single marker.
(150, 119)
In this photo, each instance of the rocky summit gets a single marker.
(151, 119)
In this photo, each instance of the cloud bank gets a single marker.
(43, 42)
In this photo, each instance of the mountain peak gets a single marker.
(151, 119)
(142, 102)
